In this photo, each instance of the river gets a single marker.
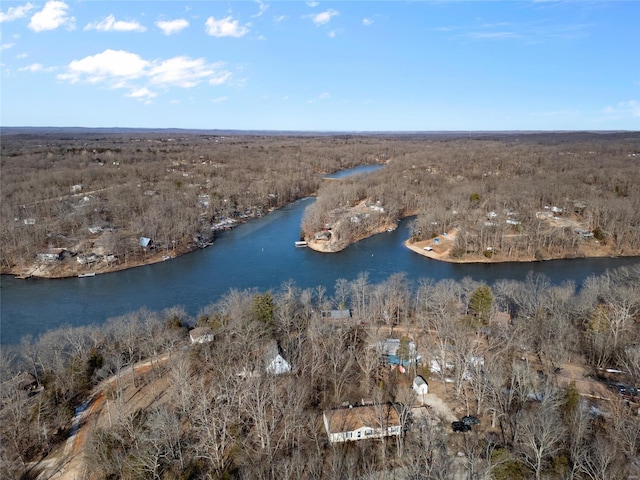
(259, 254)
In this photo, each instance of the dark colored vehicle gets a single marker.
(470, 420)
(460, 427)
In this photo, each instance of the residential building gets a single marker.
(201, 335)
(393, 355)
(362, 422)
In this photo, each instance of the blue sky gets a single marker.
(322, 66)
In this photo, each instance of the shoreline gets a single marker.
(49, 272)
(439, 251)
(442, 249)
(415, 247)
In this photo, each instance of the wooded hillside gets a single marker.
(523, 197)
(547, 370)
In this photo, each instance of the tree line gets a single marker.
(99, 193)
(519, 197)
(215, 413)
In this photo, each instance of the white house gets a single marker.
(362, 422)
(275, 362)
(267, 359)
(51, 255)
(420, 386)
(201, 335)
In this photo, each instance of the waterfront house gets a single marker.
(201, 335)
(51, 255)
(324, 235)
(361, 422)
(87, 259)
(145, 242)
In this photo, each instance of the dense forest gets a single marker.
(547, 370)
(515, 198)
(96, 195)
(82, 201)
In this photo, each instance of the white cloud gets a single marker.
(219, 99)
(53, 15)
(323, 18)
(332, 33)
(36, 67)
(122, 69)
(169, 27)
(366, 21)
(22, 55)
(13, 13)
(225, 27)
(110, 24)
(110, 64)
(313, 4)
(630, 107)
(279, 18)
(143, 94)
(263, 8)
(6, 46)
(181, 71)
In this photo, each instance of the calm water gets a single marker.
(259, 254)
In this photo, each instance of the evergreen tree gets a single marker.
(481, 302)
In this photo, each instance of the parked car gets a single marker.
(460, 427)
(470, 420)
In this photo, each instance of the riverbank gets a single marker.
(70, 268)
(440, 248)
(329, 246)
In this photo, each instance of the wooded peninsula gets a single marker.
(81, 202)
